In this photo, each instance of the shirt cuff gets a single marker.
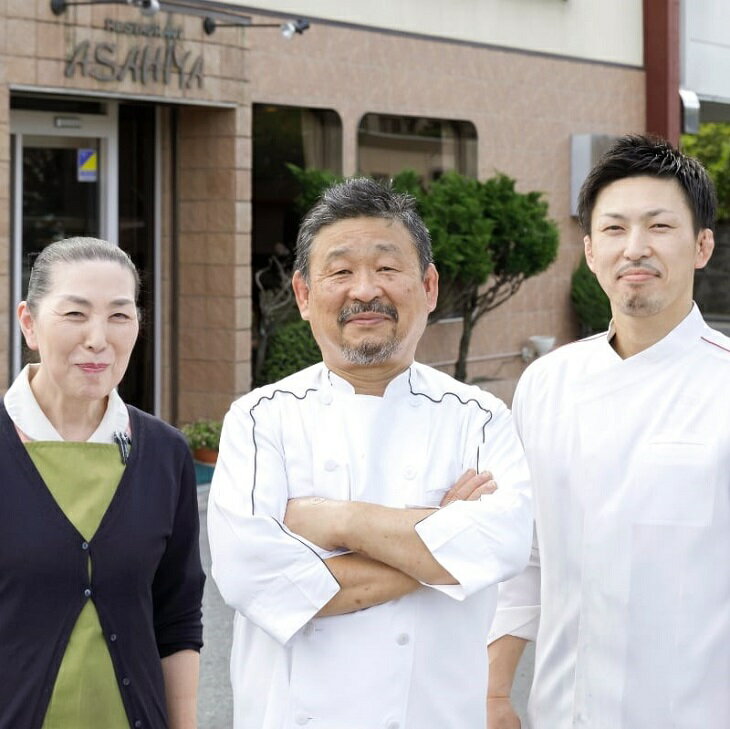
(303, 594)
(457, 544)
(522, 622)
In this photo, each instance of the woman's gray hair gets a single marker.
(361, 197)
(73, 250)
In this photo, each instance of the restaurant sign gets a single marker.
(151, 59)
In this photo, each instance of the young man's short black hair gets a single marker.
(635, 155)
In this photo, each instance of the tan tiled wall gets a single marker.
(213, 207)
(214, 283)
(525, 108)
(5, 261)
(167, 351)
(38, 42)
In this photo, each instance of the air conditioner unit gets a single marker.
(585, 151)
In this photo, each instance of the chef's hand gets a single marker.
(316, 519)
(470, 487)
(501, 715)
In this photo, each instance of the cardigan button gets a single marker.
(113, 637)
(137, 724)
(84, 545)
(87, 592)
(125, 681)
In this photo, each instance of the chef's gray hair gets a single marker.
(73, 250)
(361, 197)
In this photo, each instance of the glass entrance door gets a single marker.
(60, 193)
(87, 168)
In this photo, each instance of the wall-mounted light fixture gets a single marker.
(537, 346)
(146, 7)
(288, 29)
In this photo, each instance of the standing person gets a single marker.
(360, 603)
(100, 576)
(627, 435)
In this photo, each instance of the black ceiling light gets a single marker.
(288, 29)
(146, 7)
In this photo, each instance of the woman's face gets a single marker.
(84, 329)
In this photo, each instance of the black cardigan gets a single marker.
(147, 581)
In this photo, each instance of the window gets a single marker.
(389, 144)
(308, 138)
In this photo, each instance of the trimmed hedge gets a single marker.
(291, 348)
(589, 300)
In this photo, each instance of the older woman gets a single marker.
(100, 576)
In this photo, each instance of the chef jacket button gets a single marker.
(330, 465)
(392, 725)
(87, 592)
(409, 472)
(84, 545)
(325, 397)
(301, 719)
(403, 639)
(113, 637)
(125, 681)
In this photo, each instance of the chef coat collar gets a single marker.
(688, 331)
(399, 385)
(28, 416)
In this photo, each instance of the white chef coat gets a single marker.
(418, 662)
(630, 463)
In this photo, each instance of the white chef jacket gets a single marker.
(418, 662)
(630, 463)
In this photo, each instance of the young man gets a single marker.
(627, 435)
(352, 524)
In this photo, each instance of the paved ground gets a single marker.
(214, 701)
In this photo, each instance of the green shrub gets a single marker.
(589, 300)
(312, 183)
(203, 434)
(712, 147)
(291, 348)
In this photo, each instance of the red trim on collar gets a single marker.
(719, 346)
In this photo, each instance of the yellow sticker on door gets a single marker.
(87, 165)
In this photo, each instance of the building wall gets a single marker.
(590, 29)
(215, 275)
(524, 106)
(706, 49)
(205, 283)
(5, 303)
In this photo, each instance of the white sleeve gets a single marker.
(274, 578)
(484, 542)
(518, 604)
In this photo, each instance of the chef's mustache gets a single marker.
(638, 267)
(359, 307)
